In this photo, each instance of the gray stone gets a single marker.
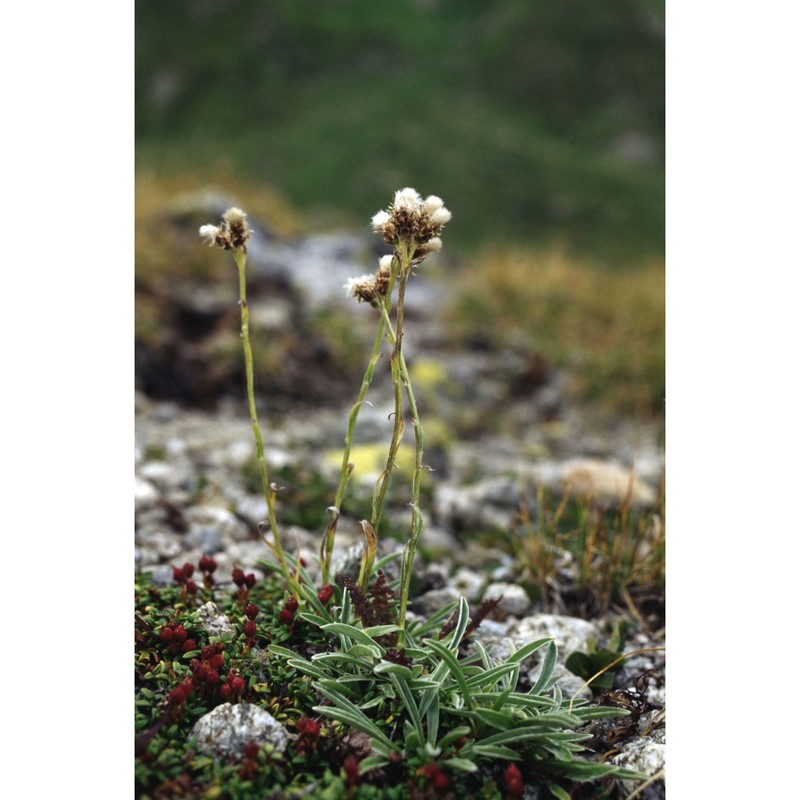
(206, 540)
(214, 621)
(221, 519)
(645, 756)
(570, 633)
(144, 494)
(435, 600)
(164, 544)
(160, 574)
(468, 583)
(224, 731)
(515, 600)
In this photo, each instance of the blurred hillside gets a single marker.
(536, 120)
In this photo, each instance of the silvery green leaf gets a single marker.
(452, 662)
(371, 762)
(545, 679)
(527, 650)
(432, 719)
(387, 667)
(454, 735)
(489, 677)
(370, 651)
(360, 723)
(351, 632)
(494, 718)
(496, 751)
(381, 630)
(462, 764)
(314, 619)
(593, 712)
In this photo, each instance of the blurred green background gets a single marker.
(536, 120)
(540, 123)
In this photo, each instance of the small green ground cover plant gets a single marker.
(379, 703)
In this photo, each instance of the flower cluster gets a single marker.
(413, 227)
(419, 222)
(231, 234)
(369, 288)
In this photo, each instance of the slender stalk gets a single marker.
(269, 490)
(382, 485)
(330, 533)
(410, 549)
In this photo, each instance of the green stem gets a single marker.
(381, 487)
(240, 256)
(330, 533)
(409, 551)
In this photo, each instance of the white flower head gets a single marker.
(234, 215)
(433, 245)
(355, 286)
(407, 199)
(209, 233)
(385, 263)
(379, 220)
(432, 203)
(440, 217)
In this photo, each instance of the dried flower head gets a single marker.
(364, 289)
(413, 220)
(232, 234)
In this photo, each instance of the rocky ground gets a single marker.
(500, 427)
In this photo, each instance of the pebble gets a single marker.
(515, 600)
(224, 731)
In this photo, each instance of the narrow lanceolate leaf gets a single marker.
(312, 600)
(581, 770)
(371, 762)
(447, 656)
(360, 723)
(283, 652)
(432, 719)
(495, 718)
(335, 658)
(461, 764)
(487, 662)
(502, 699)
(314, 619)
(527, 650)
(365, 651)
(543, 682)
(461, 625)
(365, 724)
(486, 679)
(558, 792)
(407, 698)
(593, 712)
(496, 751)
(454, 735)
(390, 668)
(381, 630)
(351, 632)
(534, 734)
(307, 667)
(338, 685)
(518, 699)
